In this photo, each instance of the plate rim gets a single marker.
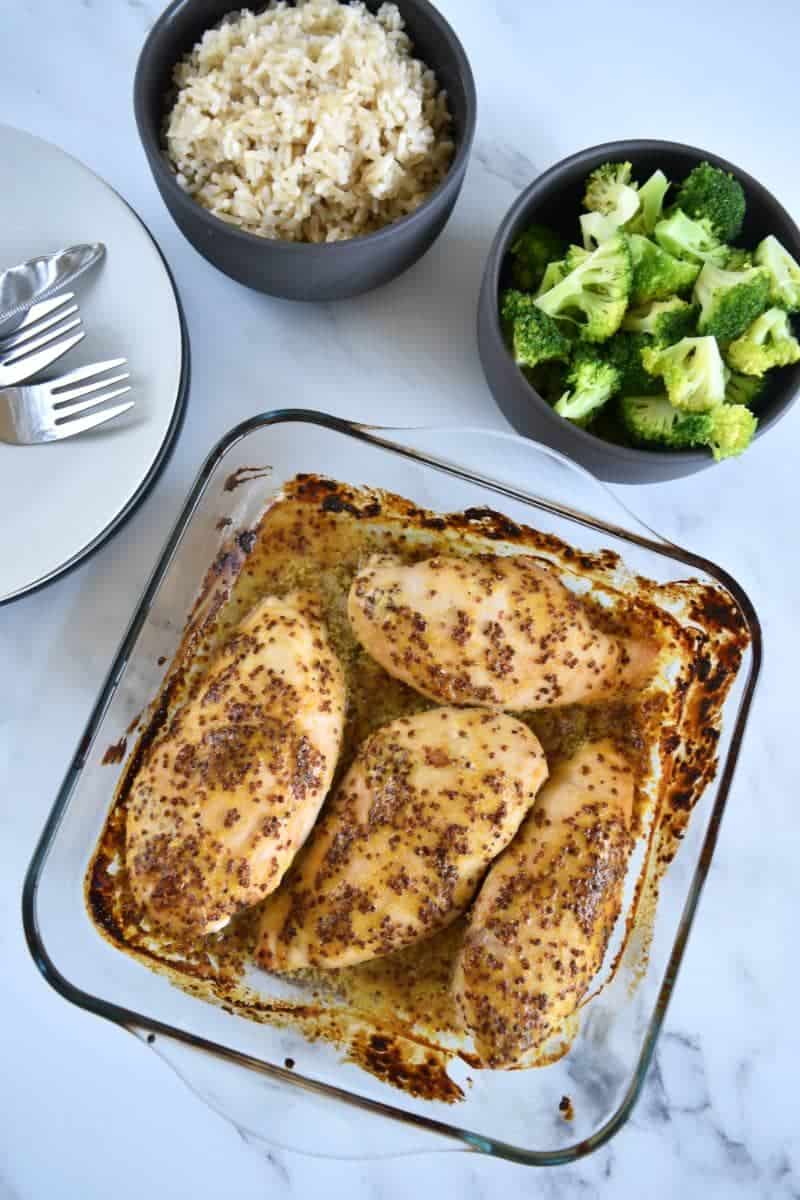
(170, 439)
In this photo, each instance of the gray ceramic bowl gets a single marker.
(555, 199)
(297, 270)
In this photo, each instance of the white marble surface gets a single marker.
(85, 1108)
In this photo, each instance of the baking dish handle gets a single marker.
(532, 470)
(268, 1116)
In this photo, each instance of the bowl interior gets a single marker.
(182, 25)
(555, 199)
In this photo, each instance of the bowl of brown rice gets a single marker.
(312, 150)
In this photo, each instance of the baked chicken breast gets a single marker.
(405, 839)
(540, 926)
(491, 630)
(228, 793)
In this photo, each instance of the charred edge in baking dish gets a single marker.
(365, 504)
(115, 752)
(245, 475)
(390, 1039)
(405, 1064)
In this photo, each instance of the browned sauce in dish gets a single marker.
(395, 1015)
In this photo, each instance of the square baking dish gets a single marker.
(271, 1081)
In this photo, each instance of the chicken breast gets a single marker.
(229, 791)
(540, 926)
(490, 630)
(405, 840)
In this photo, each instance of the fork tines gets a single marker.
(43, 323)
(67, 398)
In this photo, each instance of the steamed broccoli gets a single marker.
(732, 430)
(651, 204)
(656, 274)
(784, 274)
(730, 300)
(624, 351)
(653, 420)
(575, 256)
(727, 430)
(768, 343)
(611, 199)
(692, 370)
(534, 337)
(535, 247)
(667, 321)
(738, 259)
(743, 389)
(599, 227)
(692, 240)
(513, 303)
(713, 195)
(609, 190)
(554, 272)
(655, 331)
(591, 381)
(595, 294)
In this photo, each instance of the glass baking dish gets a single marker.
(271, 1082)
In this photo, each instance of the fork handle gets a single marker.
(33, 281)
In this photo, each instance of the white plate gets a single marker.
(60, 501)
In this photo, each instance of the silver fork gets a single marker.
(47, 412)
(39, 339)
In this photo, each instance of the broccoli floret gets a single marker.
(713, 195)
(535, 247)
(729, 300)
(513, 303)
(743, 389)
(768, 343)
(656, 274)
(653, 420)
(624, 351)
(738, 259)
(732, 430)
(598, 228)
(534, 337)
(651, 204)
(692, 370)
(554, 272)
(612, 201)
(666, 321)
(595, 294)
(591, 381)
(692, 240)
(575, 256)
(727, 430)
(609, 190)
(784, 274)
(549, 378)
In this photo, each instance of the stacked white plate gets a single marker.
(58, 502)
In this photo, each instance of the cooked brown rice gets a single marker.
(308, 123)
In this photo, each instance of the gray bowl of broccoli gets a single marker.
(640, 308)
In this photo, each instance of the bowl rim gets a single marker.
(165, 176)
(537, 189)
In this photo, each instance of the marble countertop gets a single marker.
(86, 1110)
